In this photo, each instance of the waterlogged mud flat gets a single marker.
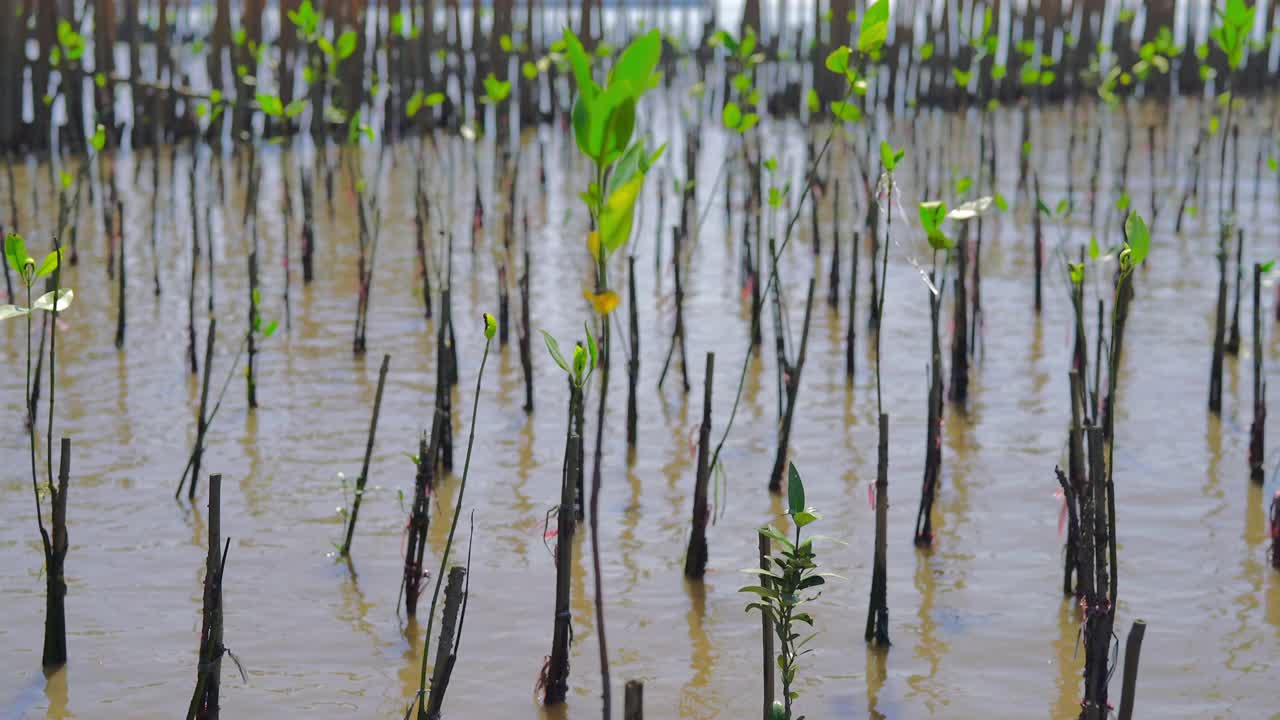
(979, 624)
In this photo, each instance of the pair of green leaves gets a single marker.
(419, 100)
(584, 359)
(265, 329)
(273, 106)
(15, 253)
(933, 213)
(889, 156)
(734, 119)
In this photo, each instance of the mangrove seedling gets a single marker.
(55, 545)
(555, 674)
(785, 588)
(420, 699)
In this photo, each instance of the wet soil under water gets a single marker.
(979, 624)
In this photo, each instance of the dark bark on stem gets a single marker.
(204, 701)
(449, 627)
(419, 519)
(1233, 336)
(766, 630)
(877, 631)
(368, 454)
(1219, 327)
(633, 360)
(851, 334)
(833, 278)
(958, 392)
(1129, 686)
(202, 418)
(55, 555)
(695, 559)
(1257, 429)
(556, 679)
(120, 297)
(525, 332)
(791, 372)
(633, 701)
(933, 431)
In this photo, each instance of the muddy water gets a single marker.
(979, 624)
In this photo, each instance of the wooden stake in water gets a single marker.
(368, 453)
(1132, 651)
(877, 631)
(633, 702)
(1257, 429)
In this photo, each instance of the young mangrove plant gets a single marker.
(421, 699)
(785, 587)
(555, 674)
(54, 538)
(604, 119)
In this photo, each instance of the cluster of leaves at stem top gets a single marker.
(15, 253)
(604, 121)
(584, 359)
(789, 583)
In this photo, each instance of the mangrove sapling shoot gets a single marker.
(791, 387)
(523, 332)
(1038, 238)
(1232, 347)
(604, 119)
(851, 333)
(55, 547)
(933, 428)
(195, 267)
(633, 356)
(1257, 429)
(785, 587)
(205, 699)
(308, 226)
(420, 699)
(555, 674)
(695, 558)
(833, 278)
(958, 390)
(1219, 325)
(677, 333)
(120, 295)
(345, 550)
(419, 520)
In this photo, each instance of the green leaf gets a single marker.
(49, 264)
(731, 116)
(1266, 266)
(490, 326)
(749, 121)
(433, 99)
(811, 99)
(346, 44)
(638, 61)
(528, 70)
(1272, 164)
(15, 251)
(1122, 202)
(1001, 203)
(760, 590)
(12, 311)
(847, 112)
(270, 105)
(1063, 207)
(926, 52)
(875, 27)
(553, 347)
(270, 329)
(294, 108)
(963, 184)
(838, 60)
(775, 535)
(795, 490)
(1095, 252)
(99, 138)
(887, 157)
(1137, 237)
(618, 212)
(804, 517)
(45, 302)
(592, 349)
(579, 362)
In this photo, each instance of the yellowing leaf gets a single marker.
(618, 213)
(604, 303)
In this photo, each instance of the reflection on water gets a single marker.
(979, 618)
